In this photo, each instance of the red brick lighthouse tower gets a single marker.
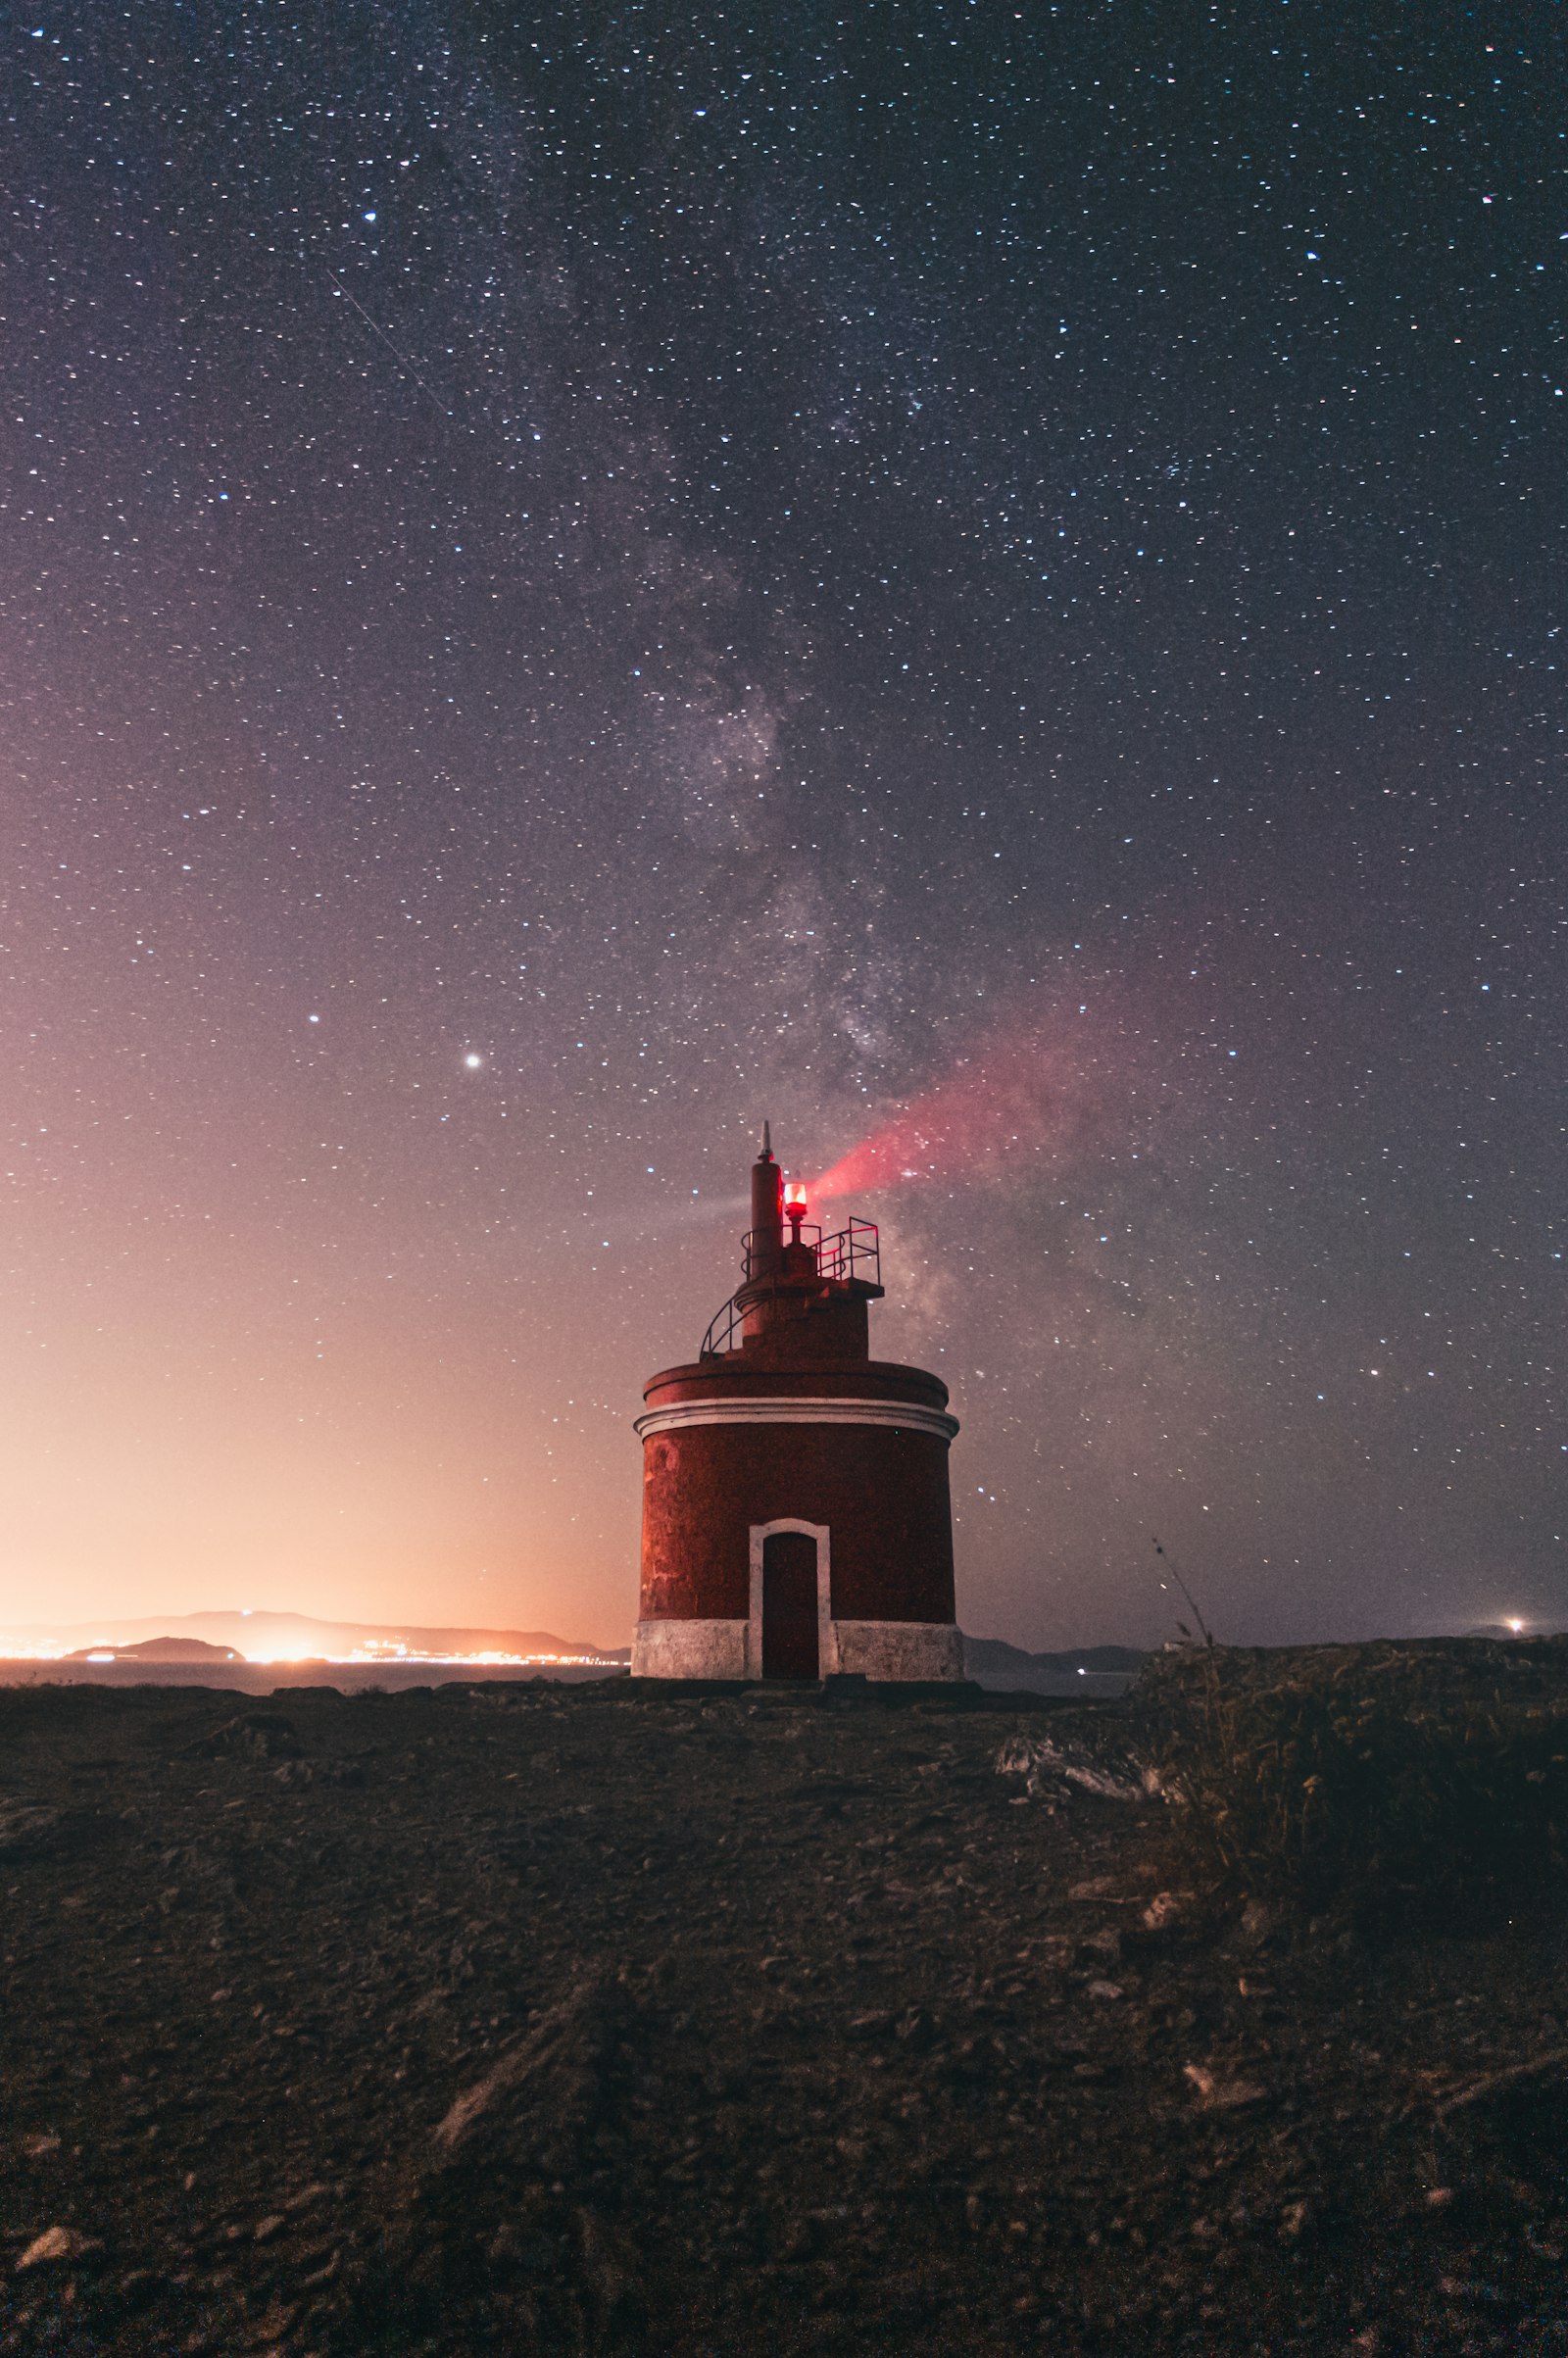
(795, 1518)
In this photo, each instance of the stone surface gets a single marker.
(690, 1649)
(654, 2018)
(898, 1649)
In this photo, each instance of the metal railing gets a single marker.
(755, 1264)
(722, 1329)
(854, 1252)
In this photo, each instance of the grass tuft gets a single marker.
(1367, 1781)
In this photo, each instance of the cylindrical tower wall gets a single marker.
(880, 1490)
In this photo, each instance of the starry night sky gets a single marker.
(983, 584)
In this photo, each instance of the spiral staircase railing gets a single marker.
(850, 1253)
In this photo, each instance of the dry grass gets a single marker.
(1373, 1781)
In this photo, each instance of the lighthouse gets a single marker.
(796, 1517)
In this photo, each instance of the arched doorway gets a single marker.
(789, 1647)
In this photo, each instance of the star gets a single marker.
(1115, 931)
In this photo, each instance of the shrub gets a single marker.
(1367, 1779)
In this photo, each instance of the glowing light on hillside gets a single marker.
(354, 1657)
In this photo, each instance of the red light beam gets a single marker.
(1024, 1095)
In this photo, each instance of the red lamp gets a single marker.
(794, 1207)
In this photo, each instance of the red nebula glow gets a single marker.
(1021, 1096)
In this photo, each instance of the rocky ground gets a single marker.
(598, 2020)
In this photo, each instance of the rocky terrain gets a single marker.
(591, 2019)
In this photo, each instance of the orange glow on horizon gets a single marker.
(357, 1657)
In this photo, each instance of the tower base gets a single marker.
(920, 1651)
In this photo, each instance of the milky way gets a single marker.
(983, 584)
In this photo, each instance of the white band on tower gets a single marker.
(906, 1415)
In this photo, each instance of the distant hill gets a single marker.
(983, 1654)
(161, 1650)
(301, 1637)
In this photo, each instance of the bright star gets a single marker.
(473, 1060)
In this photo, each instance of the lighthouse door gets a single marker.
(789, 1606)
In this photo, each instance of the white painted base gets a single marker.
(725, 1649)
(900, 1649)
(690, 1649)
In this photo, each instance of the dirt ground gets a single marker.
(593, 2019)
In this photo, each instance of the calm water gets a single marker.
(350, 1678)
(263, 1678)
